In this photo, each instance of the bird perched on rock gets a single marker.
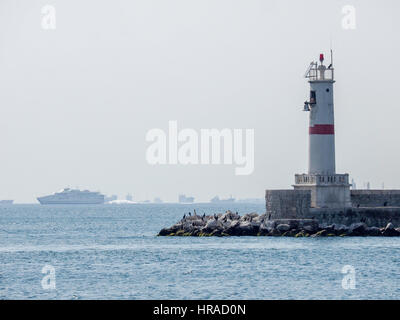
(215, 217)
(190, 214)
(184, 216)
(194, 210)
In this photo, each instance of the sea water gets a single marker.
(112, 252)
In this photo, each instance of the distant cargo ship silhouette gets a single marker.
(73, 196)
(6, 202)
(216, 199)
(184, 199)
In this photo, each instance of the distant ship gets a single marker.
(157, 200)
(6, 202)
(184, 199)
(216, 199)
(73, 196)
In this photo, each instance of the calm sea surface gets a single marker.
(112, 252)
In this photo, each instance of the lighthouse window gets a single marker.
(313, 97)
(327, 90)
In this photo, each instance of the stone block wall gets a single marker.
(375, 198)
(296, 204)
(287, 204)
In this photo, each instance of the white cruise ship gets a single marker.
(73, 196)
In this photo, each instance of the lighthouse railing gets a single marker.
(319, 73)
(321, 179)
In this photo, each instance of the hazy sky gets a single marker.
(76, 102)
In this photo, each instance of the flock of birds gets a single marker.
(204, 215)
(224, 219)
(195, 214)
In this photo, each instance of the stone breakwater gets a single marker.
(253, 224)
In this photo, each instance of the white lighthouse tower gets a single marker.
(328, 189)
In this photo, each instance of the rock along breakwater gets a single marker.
(253, 224)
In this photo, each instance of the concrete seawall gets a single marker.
(375, 208)
(375, 198)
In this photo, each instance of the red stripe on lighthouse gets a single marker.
(322, 129)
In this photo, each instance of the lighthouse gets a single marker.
(328, 189)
